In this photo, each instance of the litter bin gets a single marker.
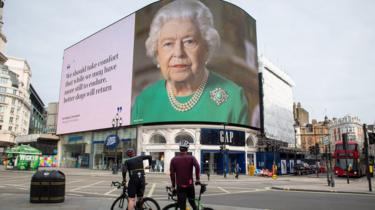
(47, 187)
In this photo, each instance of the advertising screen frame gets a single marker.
(239, 60)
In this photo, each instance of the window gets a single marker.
(14, 92)
(3, 80)
(10, 128)
(157, 139)
(184, 136)
(3, 90)
(250, 141)
(1, 118)
(13, 101)
(11, 120)
(2, 108)
(2, 99)
(12, 110)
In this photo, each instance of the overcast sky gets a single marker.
(326, 47)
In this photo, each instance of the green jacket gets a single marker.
(152, 104)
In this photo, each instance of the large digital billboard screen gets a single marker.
(172, 61)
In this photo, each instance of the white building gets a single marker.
(348, 124)
(277, 102)
(15, 104)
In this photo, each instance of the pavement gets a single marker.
(309, 183)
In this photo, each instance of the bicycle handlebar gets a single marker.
(120, 184)
(172, 193)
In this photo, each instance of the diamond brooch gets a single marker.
(219, 96)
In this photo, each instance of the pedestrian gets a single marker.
(207, 167)
(181, 173)
(237, 170)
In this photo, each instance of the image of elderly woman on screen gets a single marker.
(181, 40)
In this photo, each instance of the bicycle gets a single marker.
(146, 203)
(172, 195)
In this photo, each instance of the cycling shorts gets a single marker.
(136, 186)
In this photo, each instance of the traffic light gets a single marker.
(317, 149)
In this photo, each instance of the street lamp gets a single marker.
(295, 142)
(116, 124)
(327, 143)
(224, 151)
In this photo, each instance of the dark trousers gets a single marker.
(183, 193)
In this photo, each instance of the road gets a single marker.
(92, 190)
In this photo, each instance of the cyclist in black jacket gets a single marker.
(136, 185)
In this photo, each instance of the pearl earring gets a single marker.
(158, 66)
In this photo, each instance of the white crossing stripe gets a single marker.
(86, 186)
(73, 182)
(151, 190)
(111, 191)
(72, 194)
(223, 189)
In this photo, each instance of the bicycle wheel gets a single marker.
(150, 204)
(172, 206)
(120, 203)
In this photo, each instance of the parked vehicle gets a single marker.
(303, 168)
(299, 169)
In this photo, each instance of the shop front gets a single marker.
(95, 149)
(215, 162)
(230, 150)
(162, 143)
(107, 152)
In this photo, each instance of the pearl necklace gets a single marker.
(183, 107)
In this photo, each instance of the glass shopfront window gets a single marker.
(105, 157)
(157, 162)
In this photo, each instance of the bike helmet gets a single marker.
(184, 144)
(130, 152)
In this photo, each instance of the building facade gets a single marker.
(90, 149)
(348, 124)
(312, 134)
(15, 103)
(38, 113)
(277, 102)
(300, 114)
(51, 121)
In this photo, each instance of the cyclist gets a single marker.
(136, 185)
(181, 173)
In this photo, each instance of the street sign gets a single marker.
(325, 140)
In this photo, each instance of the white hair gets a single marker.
(184, 9)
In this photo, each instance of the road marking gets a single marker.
(163, 197)
(73, 182)
(111, 191)
(11, 179)
(98, 194)
(151, 190)
(222, 189)
(72, 194)
(85, 186)
(21, 187)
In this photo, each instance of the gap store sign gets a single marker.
(221, 136)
